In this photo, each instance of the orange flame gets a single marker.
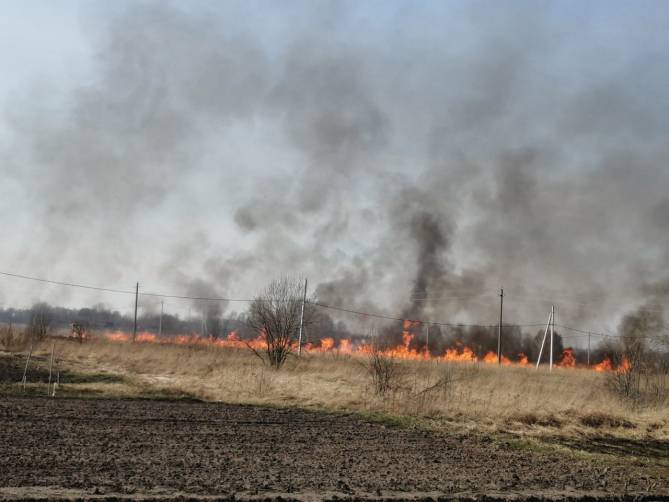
(466, 356)
(568, 360)
(459, 353)
(605, 365)
(625, 366)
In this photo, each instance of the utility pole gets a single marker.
(499, 331)
(48, 388)
(427, 340)
(550, 367)
(160, 322)
(588, 349)
(134, 329)
(299, 338)
(543, 341)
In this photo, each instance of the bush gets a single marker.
(598, 419)
(12, 339)
(385, 372)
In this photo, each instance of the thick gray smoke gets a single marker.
(408, 161)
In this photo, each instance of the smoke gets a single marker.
(410, 162)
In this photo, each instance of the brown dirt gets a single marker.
(115, 449)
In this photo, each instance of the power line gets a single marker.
(123, 291)
(199, 298)
(317, 304)
(605, 335)
(599, 300)
(69, 284)
(420, 321)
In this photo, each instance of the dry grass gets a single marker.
(482, 397)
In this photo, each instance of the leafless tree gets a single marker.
(275, 315)
(40, 323)
(80, 331)
(637, 365)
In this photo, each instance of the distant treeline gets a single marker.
(479, 339)
(216, 326)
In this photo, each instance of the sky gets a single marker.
(384, 150)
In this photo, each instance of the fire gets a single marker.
(491, 358)
(466, 356)
(568, 360)
(460, 353)
(605, 365)
(117, 336)
(625, 366)
(345, 346)
(146, 337)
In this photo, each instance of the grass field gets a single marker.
(566, 402)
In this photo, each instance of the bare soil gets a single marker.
(119, 449)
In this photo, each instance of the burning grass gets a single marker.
(465, 395)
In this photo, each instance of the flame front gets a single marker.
(460, 353)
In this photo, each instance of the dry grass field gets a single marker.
(564, 402)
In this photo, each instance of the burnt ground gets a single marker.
(113, 449)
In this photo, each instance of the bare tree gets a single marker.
(80, 331)
(40, 323)
(275, 315)
(635, 364)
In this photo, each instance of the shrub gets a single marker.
(385, 372)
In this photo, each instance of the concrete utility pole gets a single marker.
(588, 349)
(550, 367)
(160, 322)
(543, 341)
(299, 338)
(134, 329)
(499, 331)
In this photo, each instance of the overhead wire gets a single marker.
(326, 306)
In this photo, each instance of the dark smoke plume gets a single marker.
(410, 162)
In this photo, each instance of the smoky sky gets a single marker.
(406, 157)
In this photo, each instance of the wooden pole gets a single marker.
(48, 388)
(160, 323)
(57, 382)
(299, 338)
(25, 370)
(499, 331)
(134, 328)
